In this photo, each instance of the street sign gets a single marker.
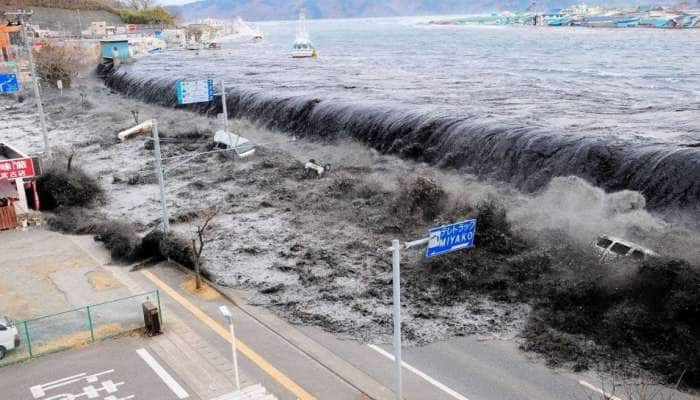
(8, 83)
(195, 91)
(17, 168)
(447, 238)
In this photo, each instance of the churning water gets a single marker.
(619, 107)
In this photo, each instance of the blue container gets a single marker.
(114, 48)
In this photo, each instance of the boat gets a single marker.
(258, 35)
(194, 46)
(302, 47)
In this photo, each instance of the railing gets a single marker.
(79, 326)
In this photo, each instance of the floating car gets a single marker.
(612, 247)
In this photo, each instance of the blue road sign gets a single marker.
(195, 91)
(447, 238)
(8, 83)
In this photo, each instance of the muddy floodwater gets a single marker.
(519, 104)
(549, 137)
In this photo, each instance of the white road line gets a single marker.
(601, 391)
(423, 375)
(163, 374)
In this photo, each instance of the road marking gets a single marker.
(169, 381)
(420, 373)
(608, 396)
(91, 391)
(263, 364)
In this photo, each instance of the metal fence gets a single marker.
(77, 327)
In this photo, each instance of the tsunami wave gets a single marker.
(668, 175)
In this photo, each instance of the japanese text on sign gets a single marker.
(16, 168)
(195, 91)
(8, 83)
(445, 239)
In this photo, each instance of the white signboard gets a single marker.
(195, 91)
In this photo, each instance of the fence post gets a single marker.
(92, 331)
(160, 310)
(29, 341)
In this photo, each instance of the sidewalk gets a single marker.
(204, 369)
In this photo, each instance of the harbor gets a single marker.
(582, 15)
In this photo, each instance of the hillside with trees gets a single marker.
(71, 15)
(284, 9)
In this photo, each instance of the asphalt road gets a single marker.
(470, 368)
(108, 370)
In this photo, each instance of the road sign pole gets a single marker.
(224, 106)
(396, 284)
(161, 179)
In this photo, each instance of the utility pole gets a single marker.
(23, 16)
(161, 178)
(80, 26)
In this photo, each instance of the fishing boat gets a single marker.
(258, 35)
(302, 47)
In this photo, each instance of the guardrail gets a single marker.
(79, 326)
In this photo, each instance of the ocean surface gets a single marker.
(634, 83)
(619, 107)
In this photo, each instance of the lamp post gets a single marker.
(227, 314)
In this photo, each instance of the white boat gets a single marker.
(194, 46)
(302, 47)
(258, 35)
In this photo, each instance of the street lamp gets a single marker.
(227, 314)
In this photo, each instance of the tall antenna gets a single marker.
(301, 28)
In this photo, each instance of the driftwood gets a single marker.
(143, 127)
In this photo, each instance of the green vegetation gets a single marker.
(129, 12)
(93, 5)
(155, 15)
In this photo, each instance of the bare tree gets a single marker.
(621, 382)
(199, 241)
(71, 156)
(140, 4)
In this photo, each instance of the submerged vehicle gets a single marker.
(302, 47)
(227, 140)
(9, 336)
(611, 247)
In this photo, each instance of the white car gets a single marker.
(612, 247)
(9, 336)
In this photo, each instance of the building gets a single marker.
(116, 50)
(98, 28)
(17, 172)
(9, 37)
(174, 37)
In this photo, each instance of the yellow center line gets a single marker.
(263, 364)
